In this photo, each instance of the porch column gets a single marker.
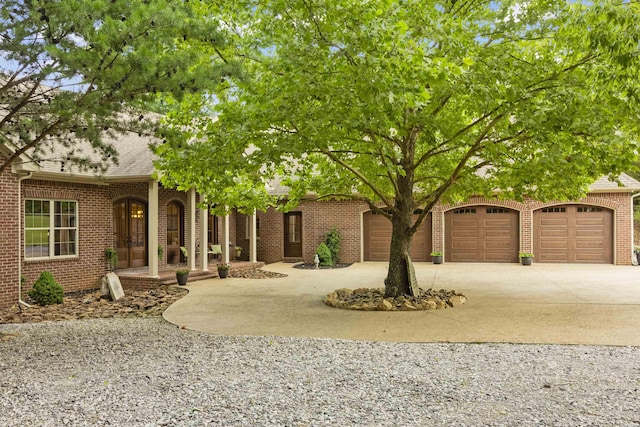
(225, 239)
(152, 248)
(253, 238)
(204, 243)
(191, 261)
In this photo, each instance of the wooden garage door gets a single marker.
(377, 238)
(573, 234)
(481, 234)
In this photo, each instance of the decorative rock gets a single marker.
(111, 282)
(385, 305)
(373, 299)
(408, 306)
(457, 300)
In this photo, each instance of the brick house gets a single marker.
(595, 229)
(62, 222)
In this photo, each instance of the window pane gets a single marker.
(36, 243)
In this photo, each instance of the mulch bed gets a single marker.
(322, 267)
(90, 304)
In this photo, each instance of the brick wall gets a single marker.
(9, 238)
(319, 217)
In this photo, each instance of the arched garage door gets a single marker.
(377, 238)
(481, 234)
(573, 234)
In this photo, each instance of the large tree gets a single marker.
(74, 71)
(402, 104)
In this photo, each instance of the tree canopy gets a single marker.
(404, 104)
(74, 71)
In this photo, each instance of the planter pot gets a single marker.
(437, 259)
(182, 278)
(223, 272)
(526, 260)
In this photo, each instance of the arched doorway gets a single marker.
(130, 221)
(175, 232)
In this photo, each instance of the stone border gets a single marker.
(373, 300)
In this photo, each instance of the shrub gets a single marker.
(332, 240)
(46, 290)
(324, 254)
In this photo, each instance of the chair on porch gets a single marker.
(215, 250)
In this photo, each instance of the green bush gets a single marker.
(46, 290)
(324, 254)
(332, 240)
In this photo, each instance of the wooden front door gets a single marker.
(175, 235)
(130, 220)
(293, 235)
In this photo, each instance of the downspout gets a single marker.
(634, 259)
(20, 179)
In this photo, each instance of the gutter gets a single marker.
(634, 258)
(20, 179)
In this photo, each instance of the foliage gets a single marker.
(332, 240)
(223, 266)
(76, 73)
(182, 271)
(185, 252)
(436, 253)
(46, 290)
(160, 251)
(525, 255)
(403, 105)
(324, 254)
(112, 257)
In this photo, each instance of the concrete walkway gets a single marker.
(544, 303)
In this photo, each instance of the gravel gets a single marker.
(146, 372)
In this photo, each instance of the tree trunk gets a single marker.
(397, 281)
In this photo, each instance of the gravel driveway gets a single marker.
(146, 372)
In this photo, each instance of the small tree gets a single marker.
(324, 254)
(46, 290)
(332, 240)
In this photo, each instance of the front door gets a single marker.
(293, 235)
(130, 222)
(175, 236)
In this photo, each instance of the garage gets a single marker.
(377, 238)
(573, 234)
(481, 234)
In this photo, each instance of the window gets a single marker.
(496, 210)
(247, 227)
(50, 228)
(584, 209)
(554, 210)
(464, 211)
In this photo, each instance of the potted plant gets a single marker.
(525, 258)
(636, 252)
(436, 257)
(238, 252)
(112, 258)
(223, 270)
(182, 275)
(160, 251)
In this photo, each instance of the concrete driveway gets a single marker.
(543, 303)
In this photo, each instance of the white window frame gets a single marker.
(51, 229)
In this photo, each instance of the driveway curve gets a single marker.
(543, 303)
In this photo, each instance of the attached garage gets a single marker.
(573, 234)
(377, 238)
(481, 234)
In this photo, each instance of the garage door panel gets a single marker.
(377, 231)
(481, 234)
(554, 244)
(560, 234)
(465, 245)
(554, 222)
(587, 237)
